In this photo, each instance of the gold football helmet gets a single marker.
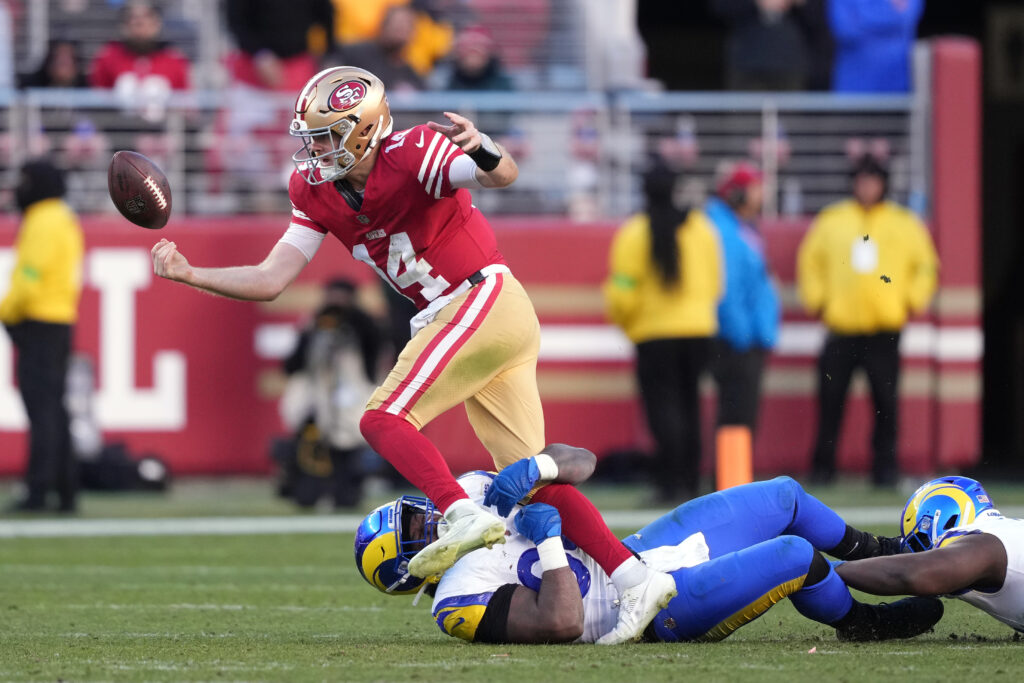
(345, 107)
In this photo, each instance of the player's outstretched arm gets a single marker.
(978, 560)
(495, 166)
(263, 282)
(553, 614)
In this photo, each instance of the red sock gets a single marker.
(583, 525)
(413, 456)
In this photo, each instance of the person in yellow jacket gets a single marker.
(863, 267)
(39, 310)
(663, 289)
(358, 21)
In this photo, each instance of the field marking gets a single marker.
(229, 571)
(333, 524)
(218, 607)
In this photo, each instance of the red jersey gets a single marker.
(417, 231)
(115, 60)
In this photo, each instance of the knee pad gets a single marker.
(375, 421)
(787, 490)
(793, 553)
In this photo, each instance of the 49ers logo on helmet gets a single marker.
(346, 95)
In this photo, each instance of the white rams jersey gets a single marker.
(465, 590)
(1006, 604)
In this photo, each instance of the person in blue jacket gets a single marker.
(748, 314)
(874, 39)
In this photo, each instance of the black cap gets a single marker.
(39, 180)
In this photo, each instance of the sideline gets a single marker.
(324, 524)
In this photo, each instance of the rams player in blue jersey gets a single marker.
(733, 554)
(961, 546)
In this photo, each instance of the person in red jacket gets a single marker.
(143, 71)
(140, 61)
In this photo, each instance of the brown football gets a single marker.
(139, 190)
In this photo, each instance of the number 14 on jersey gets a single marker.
(416, 271)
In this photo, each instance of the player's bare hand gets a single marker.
(462, 132)
(169, 263)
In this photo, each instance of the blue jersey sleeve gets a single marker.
(460, 616)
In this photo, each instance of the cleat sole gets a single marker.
(435, 561)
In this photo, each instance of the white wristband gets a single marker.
(547, 467)
(551, 554)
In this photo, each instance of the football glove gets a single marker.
(511, 484)
(538, 522)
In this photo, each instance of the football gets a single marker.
(139, 190)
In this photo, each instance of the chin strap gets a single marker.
(935, 526)
(404, 568)
(419, 594)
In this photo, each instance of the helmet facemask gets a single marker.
(930, 527)
(388, 527)
(333, 164)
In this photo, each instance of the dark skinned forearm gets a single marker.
(574, 464)
(552, 615)
(975, 561)
(879, 575)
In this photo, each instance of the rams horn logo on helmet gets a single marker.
(941, 505)
(346, 96)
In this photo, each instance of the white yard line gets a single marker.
(333, 524)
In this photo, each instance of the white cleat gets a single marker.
(638, 605)
(468, 529)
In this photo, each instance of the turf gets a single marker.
(293, 608)
(254, 497)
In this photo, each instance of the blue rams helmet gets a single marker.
(383, 548)
(938, 506)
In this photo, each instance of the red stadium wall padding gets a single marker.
(956, 224)
(181, 374)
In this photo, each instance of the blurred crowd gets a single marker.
(411, 44)
(847, 46)
(842, 45)
(265, 50)
(691, 288)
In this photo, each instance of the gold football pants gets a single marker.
(480, 350)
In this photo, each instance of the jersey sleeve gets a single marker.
(460, 615)
(953, 535)
(300, 219)
(297, 191)
(430, 156)
(481, 618)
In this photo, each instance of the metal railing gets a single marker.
(579, 153)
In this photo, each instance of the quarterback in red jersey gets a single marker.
(399, 202)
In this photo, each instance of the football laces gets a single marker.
(158, 194)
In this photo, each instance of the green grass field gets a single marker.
(293, 608)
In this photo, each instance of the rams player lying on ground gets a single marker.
(733, 554)
(961, 546)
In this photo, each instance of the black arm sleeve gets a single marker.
(493, 626)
